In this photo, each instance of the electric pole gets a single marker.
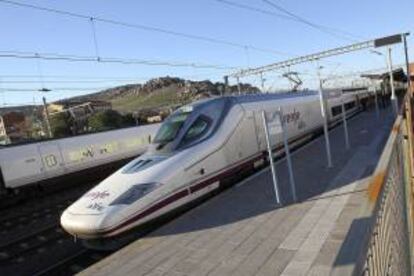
(46, 114)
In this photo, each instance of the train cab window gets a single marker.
(191, 124)
(170, 128)
(196, 130)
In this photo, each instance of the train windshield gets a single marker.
(171, 127)
(190, 124)
(196, 130)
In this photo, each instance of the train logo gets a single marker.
(97, 195)
(95, 206)
(292, 117)
(88, 152)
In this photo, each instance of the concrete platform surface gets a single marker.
(242, 232)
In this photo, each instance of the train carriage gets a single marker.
(25, 165)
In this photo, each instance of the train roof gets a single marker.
(251, 98)
(272, 96)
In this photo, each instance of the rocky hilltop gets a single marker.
(181, 86)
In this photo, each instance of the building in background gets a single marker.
(78, 111)
(14, 127)
(4, 139)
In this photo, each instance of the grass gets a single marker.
(163, 97)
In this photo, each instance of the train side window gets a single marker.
(349, 105)
(336, 110)
(196, 130)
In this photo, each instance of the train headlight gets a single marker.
(134, 193)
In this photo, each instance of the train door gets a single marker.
(52, 159)
(243, 142)
(274, 127)
(20, 165)
(260, 134)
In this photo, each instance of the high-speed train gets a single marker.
(28, 164)
(196, 149)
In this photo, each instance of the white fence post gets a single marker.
(325, 124)
(288, 157)
(344, 122)
(272, 165)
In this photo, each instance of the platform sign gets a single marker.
(388, 40)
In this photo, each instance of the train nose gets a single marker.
(86, 226)
(82, 226)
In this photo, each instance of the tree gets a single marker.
(104, 120)
(128, 120)
(60, 125)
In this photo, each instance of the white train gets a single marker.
(23, 165)
(195, 151)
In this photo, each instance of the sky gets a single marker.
(33, 31)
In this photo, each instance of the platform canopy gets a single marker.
(398, 74)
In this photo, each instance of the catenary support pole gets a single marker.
(262, 82)
(376, 101)
(325, 122)
(344, 122)
(269, 150)
(226, 84)
(47, 118)
(407, 62)
(394, 100)
(238, 85)
(288, 157)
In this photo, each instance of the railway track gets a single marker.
(31, 239)
(19, 221)
(17, 249)
(73, 263)
(43, 200)
(30, 234)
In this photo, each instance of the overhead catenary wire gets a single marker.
(56, 89)
(254, 9)
(78, 58)
(146, 28)
(95, 39)
(74, 77)
(287, 15)
(87, 78)
(12, 104)
(328, 30)
(40, 72)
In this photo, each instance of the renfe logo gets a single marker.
(291, 117)
(96, 195)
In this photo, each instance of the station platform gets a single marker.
(242, 232)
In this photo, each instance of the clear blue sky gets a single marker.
(30, 30)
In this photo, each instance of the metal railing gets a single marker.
(387, 247)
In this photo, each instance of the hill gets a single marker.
(161, 93)
(153, 96)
